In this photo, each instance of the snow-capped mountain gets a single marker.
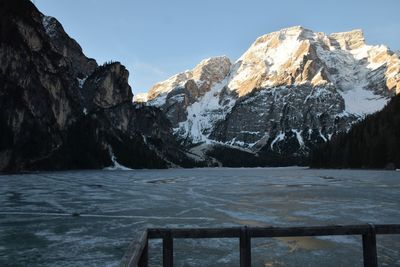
(291, 90)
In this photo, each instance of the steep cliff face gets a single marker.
(136, 136)
(60, 111)
(39, 97)
(107, 87)
(291, 90)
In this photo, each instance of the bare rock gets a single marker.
(108, 87)
(68, 47)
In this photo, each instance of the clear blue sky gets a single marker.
(155, 39)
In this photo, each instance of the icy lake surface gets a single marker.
(37, 227)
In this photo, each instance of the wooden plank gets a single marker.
(196, 232)
(309, 231)
(387, 229)
(168, 250)
(369, 248)
(144, 259)
(207, 233)
(134, 251)
(274, 231)
(245, 247)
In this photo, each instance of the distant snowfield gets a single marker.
(88, 218)
(361, 102)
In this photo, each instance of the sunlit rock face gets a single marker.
(291, 90)
(177, 93)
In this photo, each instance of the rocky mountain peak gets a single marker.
(296, 55)
(347, 40)
(290, 90)
(284, 57)
(211, 70)
(295, 32)
(208, 72)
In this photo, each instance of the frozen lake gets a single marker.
(37, 227)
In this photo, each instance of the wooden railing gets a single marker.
(137, 254)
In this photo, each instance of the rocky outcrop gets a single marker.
(107, 87)
(347, 40)
(60, 111)
(291, 90)
(68, 48)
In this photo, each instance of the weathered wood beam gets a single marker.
(245, 247)
(369, 248)
(168, 250)
(135, 249)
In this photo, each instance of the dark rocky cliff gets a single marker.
(59, 110)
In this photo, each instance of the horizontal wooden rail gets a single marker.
(137, 254)
(195, 232)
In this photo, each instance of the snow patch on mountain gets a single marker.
(299, 137)
(278, 138)
(351, 77)
(49, 25)
(81, 82)
(115, 165)
(202, 115)
(361, 102)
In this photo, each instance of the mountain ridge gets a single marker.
(340, 69)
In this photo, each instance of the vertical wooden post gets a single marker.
(144, 258)
(168, 250)
(245, 247)
(369, 248)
